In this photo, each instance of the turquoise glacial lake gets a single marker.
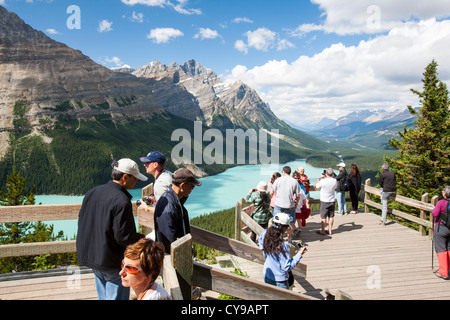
(217, 192)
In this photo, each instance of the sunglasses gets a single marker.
(130, 269)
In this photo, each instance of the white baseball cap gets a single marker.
(130, 167)
(341, 164)
(283, 219)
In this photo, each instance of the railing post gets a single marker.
(366, 196)
(238, 223)
(147, 191)
(434, 200)
(181, 253)
(423, 215)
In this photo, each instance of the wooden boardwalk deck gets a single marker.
(51, 285)
(367, 261)
(361, 258)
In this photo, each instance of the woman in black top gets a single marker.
(355, 186)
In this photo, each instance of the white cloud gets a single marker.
(179, 6)
(377, 73)
(150, 3)
(104, 26)
(345, 17)
(242, 19)
(206, 33)
(52, 31)
(137, 17)
(241, 46)
(284, 44)
(115, 60)
(164, 35)
(262, 39)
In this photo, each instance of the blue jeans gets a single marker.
(281, 284)
(342, 205)
(109, 286)
(384, 202)
(290, 212)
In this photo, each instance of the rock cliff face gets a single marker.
(44, 73)
(197, 93)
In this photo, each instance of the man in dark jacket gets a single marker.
(171, 217)
(388, 189)
(106, 227)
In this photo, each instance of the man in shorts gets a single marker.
(327, 186)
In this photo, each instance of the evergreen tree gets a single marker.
(23, 232)
(422, 164)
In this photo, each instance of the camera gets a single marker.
(147, 200)
(324, 172)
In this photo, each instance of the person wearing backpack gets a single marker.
(342, 186)
(441, 213)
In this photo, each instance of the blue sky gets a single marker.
(317, 57)
(209, 31)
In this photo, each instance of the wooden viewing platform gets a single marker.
(366, 261)
(361, 258)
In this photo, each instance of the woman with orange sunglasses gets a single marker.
(141, 266)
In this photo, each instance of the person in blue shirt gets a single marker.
(278, 261)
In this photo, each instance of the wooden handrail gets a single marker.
(221, 243)
(178, 278)
(421, 205)
(17, 214)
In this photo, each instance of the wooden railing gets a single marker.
(180, 271)
(190, 273)
(423, 206)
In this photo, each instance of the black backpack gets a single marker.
(345, 182)
(444, 216)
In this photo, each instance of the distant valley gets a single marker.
(367, 129)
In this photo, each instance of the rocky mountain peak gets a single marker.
(49, 77)
(13, 29)
(194, 69)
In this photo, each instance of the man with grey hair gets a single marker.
(388, 189)
(327, 186)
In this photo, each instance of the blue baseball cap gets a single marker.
(154, 156)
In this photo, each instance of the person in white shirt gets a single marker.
(327, 186)
(287, 190)
(154, 164)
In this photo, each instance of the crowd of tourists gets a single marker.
(121, 258)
